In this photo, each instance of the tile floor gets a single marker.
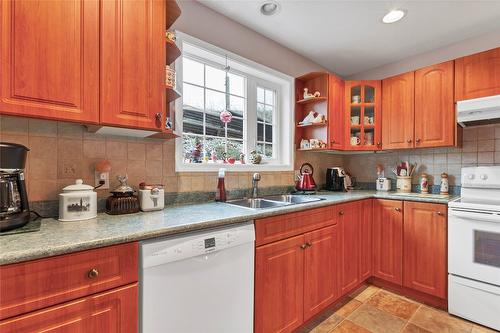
(374, 310)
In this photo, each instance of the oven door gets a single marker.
(474, 245)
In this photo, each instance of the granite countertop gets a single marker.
(56, 237)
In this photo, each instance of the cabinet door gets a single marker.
(336, 112)
(365, 236)
(49, 59)
(133, 63)
(425, 254)
(477, 75)
(279, 285)
(349, 215)
(388, 240)
(398, 100)
(320, 270)
(112, 311)
(435, 120)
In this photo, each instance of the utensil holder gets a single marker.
(403, 184)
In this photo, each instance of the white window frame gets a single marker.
(257, 75)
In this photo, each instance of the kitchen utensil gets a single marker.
(306, 181)
(123, 200)
(403, 184)
(151, 197)
(14, 207)
(77, 202)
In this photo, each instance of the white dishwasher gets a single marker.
(199, 282)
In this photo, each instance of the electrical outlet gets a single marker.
(102, 176)
(296, 175)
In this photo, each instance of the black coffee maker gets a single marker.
(335, 179)
(14, 209)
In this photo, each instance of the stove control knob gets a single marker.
(483, 177)
(470, 176)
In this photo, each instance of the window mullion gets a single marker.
(251, 121)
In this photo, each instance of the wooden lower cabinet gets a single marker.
(112, 311)
(425, 248)
(279, 285)
(387, 238)
(365, 239)
(349, 246)
(320, 263)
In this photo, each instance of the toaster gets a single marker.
(383, 184)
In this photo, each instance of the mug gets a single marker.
(356, 99)
(369, 138)
(355, 141)
(355, 120)
(368, 120)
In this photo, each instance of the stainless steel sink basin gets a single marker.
(258, 203)
(293, 199)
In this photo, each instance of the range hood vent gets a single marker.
(479, 111)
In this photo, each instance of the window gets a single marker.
(230, 107)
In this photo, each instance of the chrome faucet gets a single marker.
(255, 181)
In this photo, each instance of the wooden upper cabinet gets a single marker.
(425, 248)
(320, 268)
(398, 101)
(133, 64)
(477, 75)
(349, 215)
(435, 120)
(365, 239)
(336, 134)
(115, 311)
(279, 286)
(388, 240)
(49, 59)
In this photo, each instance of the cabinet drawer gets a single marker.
(271, 229)
(40, 283)
(111, 311)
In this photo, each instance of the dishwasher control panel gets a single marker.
(159, 252)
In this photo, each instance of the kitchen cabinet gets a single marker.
(435, 119)
(49, 59)
(279, 285)
(363, 115)
(387, 238)
(349, 251)
(320, 266)
(336, 87)
(111, 311)
(133, 64)
(477, 75)
(398, 105)
(365, 239)
(425, 248)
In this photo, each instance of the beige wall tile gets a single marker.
(94, 148)
(154, 168)
(13, 138)
(486, 133)
(154, 151)
(69, 148)
(170, 184)
(470, 134)
(454, 158)
(69, 130)
(41, 127)
(43, 147)
(39, 190)
(116, 149)
(485, 158)
(42, 169)
(14, 125)
(136, 151)
(69, 169)
(184, 183)
(486, 145)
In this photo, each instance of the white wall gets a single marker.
(450, 52)
(210, 26)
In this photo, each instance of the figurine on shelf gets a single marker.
(322, 144)
(254, 158)
(309, 118)
(168, 123)
(308, 95)
(242, 158)
(304, 144)
(320, 119)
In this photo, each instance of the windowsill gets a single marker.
(214, 167)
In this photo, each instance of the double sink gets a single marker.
(274, 201)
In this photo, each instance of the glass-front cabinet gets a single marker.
(363, 116)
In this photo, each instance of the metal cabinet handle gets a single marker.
(379, 144)
(409, 140)
(397, 209)
(93, 273)
(303, 246)
(333, 142)
(158, 116)
(418, 140)
(440, 213)
(341, 213)
(308, 244)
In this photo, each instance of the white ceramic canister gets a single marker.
(403, 184)
(151, 197)
(77, 202)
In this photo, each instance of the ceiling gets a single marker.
(348, 37)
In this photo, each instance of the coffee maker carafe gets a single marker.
(14, 208)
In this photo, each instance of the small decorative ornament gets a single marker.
(424, 183)
(308, 95)
(196, 153)
(213, 156)
(254, 158)
(170, 36)
(444, 189)
(226, 116)
(242, 158)
(304, 144)
(317, 94)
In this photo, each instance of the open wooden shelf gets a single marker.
(167, 134)
(312, 100)
(312, 124)
(173, 12)
(172, 94)
(173, 52)
(314, 149)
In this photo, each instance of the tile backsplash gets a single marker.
(481, 146)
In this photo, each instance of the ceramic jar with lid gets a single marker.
(445, 185)
(77, 202)
(123, 200)
(424, 183)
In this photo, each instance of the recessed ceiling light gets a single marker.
(269, 8)
(394, 16)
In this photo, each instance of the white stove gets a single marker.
(474, 248)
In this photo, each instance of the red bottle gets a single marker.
(220, 194)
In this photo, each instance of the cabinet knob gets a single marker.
(341, 213)
(303, 246)
(440, 213)
(93, 273)
(158, 116)
(333, 142)
(409, 140)
(397, 209)
(308, 244)
(379, 144)
(418, 140)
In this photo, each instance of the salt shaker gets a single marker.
(444, 184)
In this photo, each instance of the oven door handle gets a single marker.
(486, 217)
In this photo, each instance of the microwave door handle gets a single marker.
(486, 217)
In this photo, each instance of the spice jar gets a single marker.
(424, 183)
